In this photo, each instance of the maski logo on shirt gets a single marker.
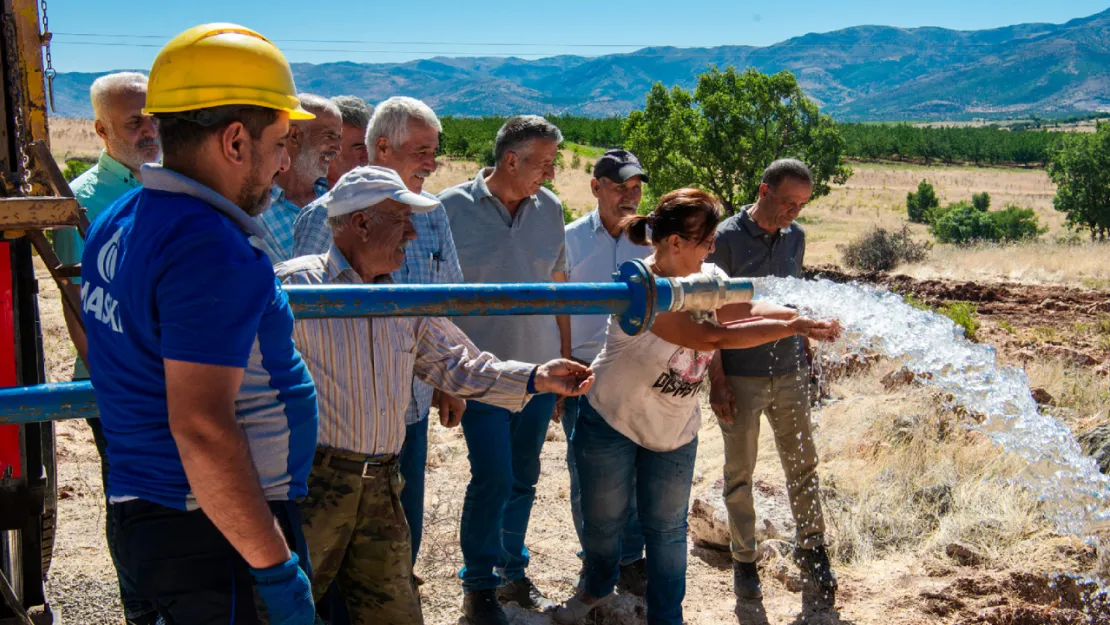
(97, 303)
(108, 257)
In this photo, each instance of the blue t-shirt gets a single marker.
(170, 275)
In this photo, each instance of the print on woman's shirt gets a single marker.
(685, 372)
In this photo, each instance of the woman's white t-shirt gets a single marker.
(647, 388)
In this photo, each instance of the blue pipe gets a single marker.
(636, 296)
(455, 300)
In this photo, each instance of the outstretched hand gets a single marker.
(824, 331)
(564, 377)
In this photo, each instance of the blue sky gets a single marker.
(372, 31)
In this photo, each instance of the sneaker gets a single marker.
(817, 570)
(745, 580)
(575, 609)
(482, 608)
(525, 594)
(633, 578)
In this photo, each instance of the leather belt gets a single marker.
(368, 467)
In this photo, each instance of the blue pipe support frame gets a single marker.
(636, 296)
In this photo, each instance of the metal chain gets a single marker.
(15, 80)
(46, 37)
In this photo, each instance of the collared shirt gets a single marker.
(277, 226)
(362, 366)
(744, 250)
(170, 274)
(95, 189)
(430, 259)
(497, 246)
(592, 256)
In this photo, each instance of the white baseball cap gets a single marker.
(367, 186)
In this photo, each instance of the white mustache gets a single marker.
(423, 173)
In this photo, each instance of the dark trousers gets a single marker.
(136, 611)
(185, 567)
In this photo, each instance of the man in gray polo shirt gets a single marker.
(763, 240)
(507, 228)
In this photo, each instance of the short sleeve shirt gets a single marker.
(744, 250)
(592, 256)
(494, 246)
(648, 389)
(170, 274)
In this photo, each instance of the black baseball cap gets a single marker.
(618, 166)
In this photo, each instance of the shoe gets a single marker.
(574, 610)
(482, 608)
(525, 594)
(633, 578)
(817, 570)
(745, 580)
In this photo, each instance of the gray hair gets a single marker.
(354, 110)
(104, 87)
(521, 130)
(391, 120)
(318, 104)
(339, 223)
(785, 168)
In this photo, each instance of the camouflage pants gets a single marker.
(357, 535)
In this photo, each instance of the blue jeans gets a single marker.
(504, 452)
(611, 467)
(413, 462)
(632, 542)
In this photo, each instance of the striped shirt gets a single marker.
(429, 259)
(362, 367)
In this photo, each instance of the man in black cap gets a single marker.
(595, 248)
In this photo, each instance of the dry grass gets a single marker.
(1042, 262)
(73, 138)
(907, 477)
(876, 196)
(1081, 396)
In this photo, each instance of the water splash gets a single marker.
(1075, 495)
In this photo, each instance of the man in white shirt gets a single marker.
(596, 247)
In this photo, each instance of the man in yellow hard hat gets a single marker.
(208, 411)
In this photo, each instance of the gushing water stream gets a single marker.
(1074, 494)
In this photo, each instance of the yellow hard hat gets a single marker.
(221, 64)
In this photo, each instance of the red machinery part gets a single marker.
(10, 447)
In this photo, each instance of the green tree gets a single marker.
(1080, 167)
(919, 205)
(722, 137)
(981, 201)
(75, 167)
(963, 223)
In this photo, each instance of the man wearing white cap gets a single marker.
(353, 519)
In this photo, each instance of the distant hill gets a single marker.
(860, 73)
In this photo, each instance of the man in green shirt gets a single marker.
(130, 140)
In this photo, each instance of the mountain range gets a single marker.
(860, 73)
